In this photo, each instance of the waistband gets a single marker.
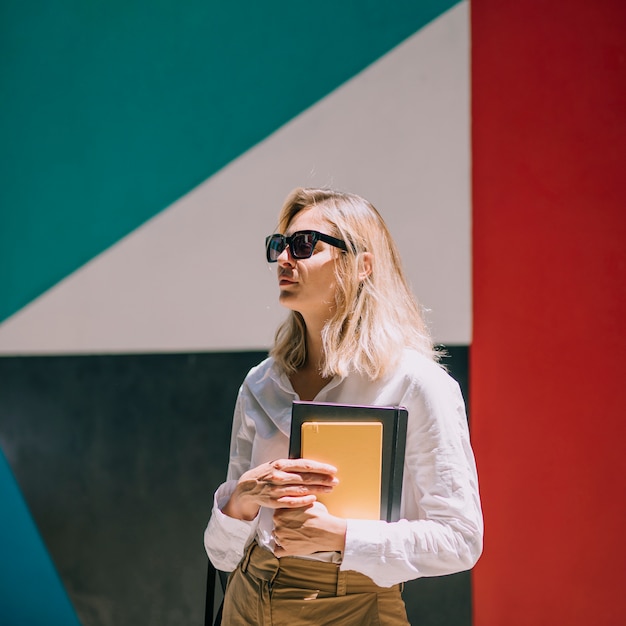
(307, 574)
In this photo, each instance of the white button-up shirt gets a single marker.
(441, 527)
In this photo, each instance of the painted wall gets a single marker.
(31, 592)
(112, 110)
(148, 150)
(205, 122)
(549, 347)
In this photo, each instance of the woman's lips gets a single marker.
(284, 280)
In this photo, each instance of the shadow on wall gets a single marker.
(118, 457)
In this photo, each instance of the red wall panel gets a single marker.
(548, 358)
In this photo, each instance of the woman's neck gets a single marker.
(314, 352)
(308, 381)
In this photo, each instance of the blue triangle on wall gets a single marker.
(31, 592)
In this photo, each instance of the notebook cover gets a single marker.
(392, 419)
(356, 449)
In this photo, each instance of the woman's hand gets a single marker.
(302, 531)
(285, 483)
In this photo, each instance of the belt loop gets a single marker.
(270, 582)
(246, 557)
(276, 563)
(342, 582)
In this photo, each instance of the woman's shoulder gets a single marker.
(266, 377)
(267, 368)
(266, 398)
(412, 360)
(421, 370)
(427, 388)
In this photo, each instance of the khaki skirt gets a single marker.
(267, 591)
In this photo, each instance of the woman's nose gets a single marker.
(285, 258)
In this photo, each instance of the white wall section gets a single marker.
(194, 277)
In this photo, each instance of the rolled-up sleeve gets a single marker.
(226, 538)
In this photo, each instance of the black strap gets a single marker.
(209, 606)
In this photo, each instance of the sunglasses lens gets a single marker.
(275, 245)
(302, 245)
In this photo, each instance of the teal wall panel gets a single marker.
(31, 593)
(113, 110)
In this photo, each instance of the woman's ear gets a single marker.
(365, 265)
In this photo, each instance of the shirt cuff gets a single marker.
(363, 543)
(225, 537)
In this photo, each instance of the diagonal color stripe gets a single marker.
(112, 110)
(30, 590)
(193, 277)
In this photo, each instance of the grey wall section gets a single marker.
(118, 456)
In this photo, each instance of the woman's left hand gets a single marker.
(302, 531)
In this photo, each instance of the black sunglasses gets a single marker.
(301, 244)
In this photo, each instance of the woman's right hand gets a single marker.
(284, 483)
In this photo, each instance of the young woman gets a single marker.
(354, 335)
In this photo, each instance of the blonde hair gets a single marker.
(375, 318)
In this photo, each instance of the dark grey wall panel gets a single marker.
(118, 456)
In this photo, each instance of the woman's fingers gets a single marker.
(288, 483)
(311, 480)
(301, 471)
(293, 472)
(290, 495)
(304, 466)
(307, 529)
(294, 519)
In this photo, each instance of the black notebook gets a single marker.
(366, 445)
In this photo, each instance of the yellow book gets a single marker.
(365, 444)
(355, 449)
